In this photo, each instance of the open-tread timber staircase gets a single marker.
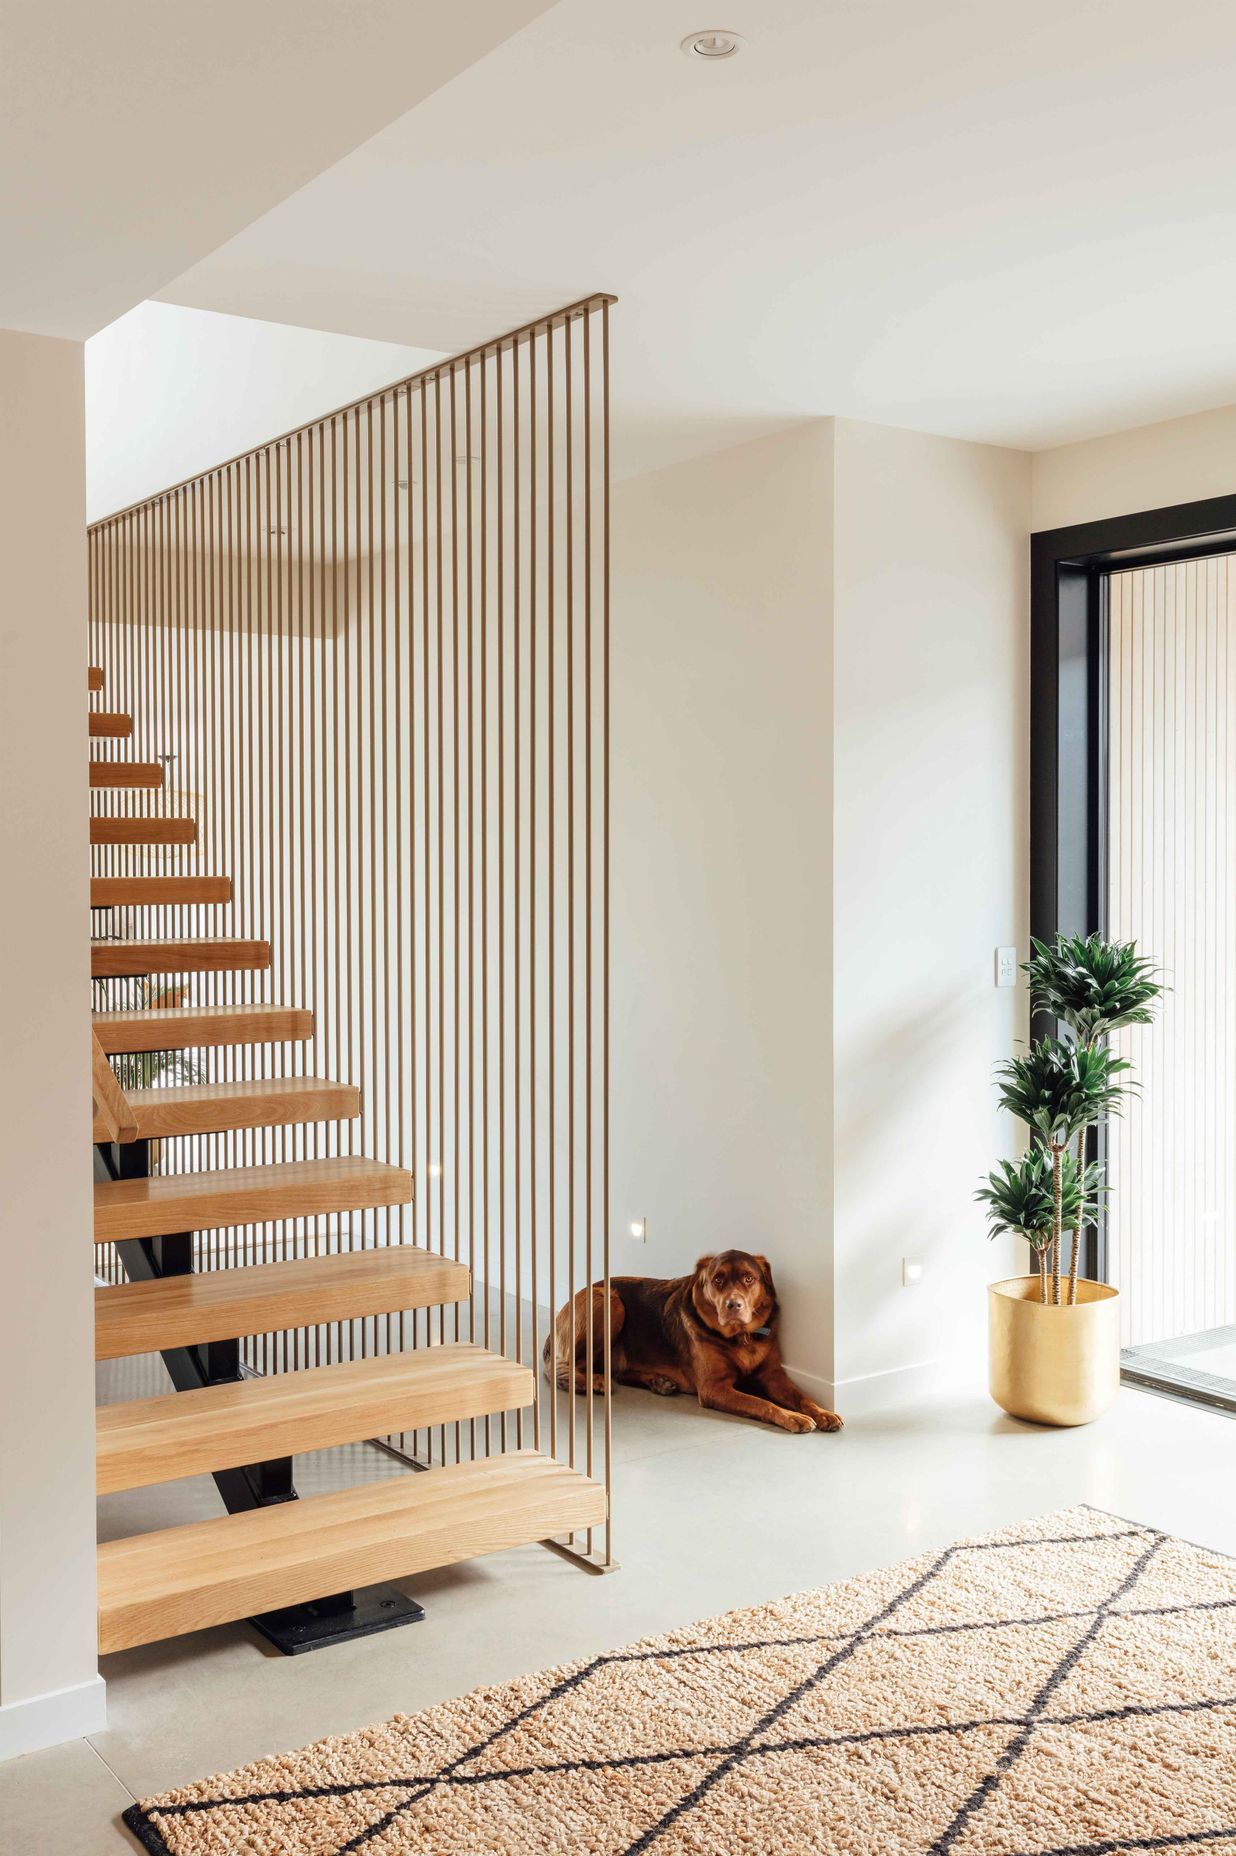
(304, 1561)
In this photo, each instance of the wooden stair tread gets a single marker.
(210, 1201)
(194, 1027)
(185, 1578)
(94, 677)
(267, 1298)
(212, 1108)
(109, 724)
(204, 954)
(143, 831)
(197, 1027)
(221, 1427)
(126, 773)
(139, 892)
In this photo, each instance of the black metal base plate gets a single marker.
(298, 1628)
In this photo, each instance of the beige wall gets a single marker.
(1148, 467)
(929, 877)
(49, 1686)
(721, 898)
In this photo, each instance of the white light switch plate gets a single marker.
(1006, 966)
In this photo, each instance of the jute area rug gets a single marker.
(1065, 1686)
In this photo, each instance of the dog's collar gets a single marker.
(761, 1333)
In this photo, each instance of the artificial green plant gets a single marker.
(1060, 1088)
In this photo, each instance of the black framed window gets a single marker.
(1071, 571)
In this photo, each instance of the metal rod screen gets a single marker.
(373, 655)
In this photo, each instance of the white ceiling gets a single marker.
(136, 135)
(1012, 222)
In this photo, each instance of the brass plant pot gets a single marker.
(1053, 1365)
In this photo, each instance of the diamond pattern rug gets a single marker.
(1066, 1687)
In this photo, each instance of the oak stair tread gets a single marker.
(186, 1578)
(248, 1420)
(125, 773)
(195, 1027)
(202, 954)
(157, 892)
(212, 1201)
(154, 830)
(213, 1108)
(94, 677)
(109, 725)
(268, 1298)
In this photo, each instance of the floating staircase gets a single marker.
(301, 1569)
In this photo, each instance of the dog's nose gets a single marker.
(734, 1303)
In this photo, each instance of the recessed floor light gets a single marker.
(714, 43)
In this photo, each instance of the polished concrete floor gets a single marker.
(711, 1513)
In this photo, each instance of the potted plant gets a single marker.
(1055, 1348)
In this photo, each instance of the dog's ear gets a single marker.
(702, 1263)
(766, 1266)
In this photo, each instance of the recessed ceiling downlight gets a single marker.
(715, 43)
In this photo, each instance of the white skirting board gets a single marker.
(48, 1720)
(901, 1385)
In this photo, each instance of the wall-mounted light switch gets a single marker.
(1006, 966)
(638, 1228)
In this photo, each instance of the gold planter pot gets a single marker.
(1053, 1365)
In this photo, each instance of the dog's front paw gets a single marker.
(664, 1388)
(796, 1421)
(825, 1420)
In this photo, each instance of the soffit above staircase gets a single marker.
(137, 136)
(1001, 222)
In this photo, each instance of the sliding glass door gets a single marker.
(1133, 830)
(1171, 887)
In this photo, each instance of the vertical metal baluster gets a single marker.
(500, 441)
(551, 748)
(471, 859)
(367, 853)
(605, 908)
(398, 1133)
(427, 837)
(317, 822)
(383, 1010)
(533, 626)
(339, 497)
(589, 895)
(485, 944)
(517, 702)
(303, 898)
(456, 1176)
(412, 731)
(571, 1367)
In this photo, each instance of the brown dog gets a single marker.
(713, 1333)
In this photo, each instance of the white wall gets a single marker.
(1148, 467)
(49, 1685)
(171, 391)
(820, 838)
(929, 877)
(721, 901)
